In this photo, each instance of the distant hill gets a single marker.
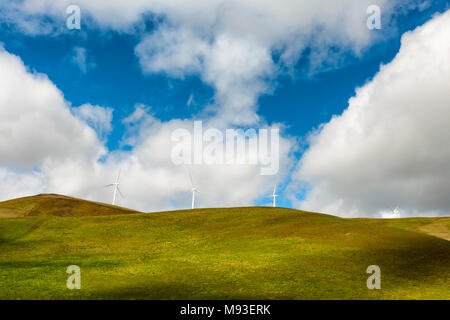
(57, 205)
(223, 253)
(64, 206)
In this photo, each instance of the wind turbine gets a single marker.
(396, 212)
(115, 185)
(274, 196)
(193, 190)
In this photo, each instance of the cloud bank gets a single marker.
(48, 146)
(237, 47)
(387, 149)
(390, 147)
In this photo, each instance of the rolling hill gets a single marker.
(57, 205)
(232, 253)
(438, 227)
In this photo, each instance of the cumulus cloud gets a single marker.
(232, 44)
(236, 68)
(80, 60)
(99, 118)
(390, 147)
(155, 179)
(19, 184)
(35, 121)
(47, 146)
(239, 48)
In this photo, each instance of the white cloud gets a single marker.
(160, 51)
(16, 184)
(157, 183)
(391, 146)
(236, 68)
(266, 18)
(39, 136)
(79, 58)
(99, 118)
(231, 43)
(35, 121)
(47, 146)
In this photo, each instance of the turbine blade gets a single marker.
(274, 189)
(120, 192)
(190, 178)
(108, 185)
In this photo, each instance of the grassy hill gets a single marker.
(233, 253)
(57, 205)
(438, 227)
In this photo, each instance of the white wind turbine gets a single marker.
(115, 185)
(274, 196)
(193, 190)
(396, 212)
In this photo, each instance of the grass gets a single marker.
(438, 227)
(233, 253)
(57, 205)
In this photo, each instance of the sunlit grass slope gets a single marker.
(235, 253)
(438, 227)
(56, 205)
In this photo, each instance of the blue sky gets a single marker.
(114, 76)
(116, 80)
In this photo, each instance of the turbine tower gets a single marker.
(274, 196)
(193, 190)
(115, 185)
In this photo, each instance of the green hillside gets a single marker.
(57, 205)
(438, 227)
(233, 253)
